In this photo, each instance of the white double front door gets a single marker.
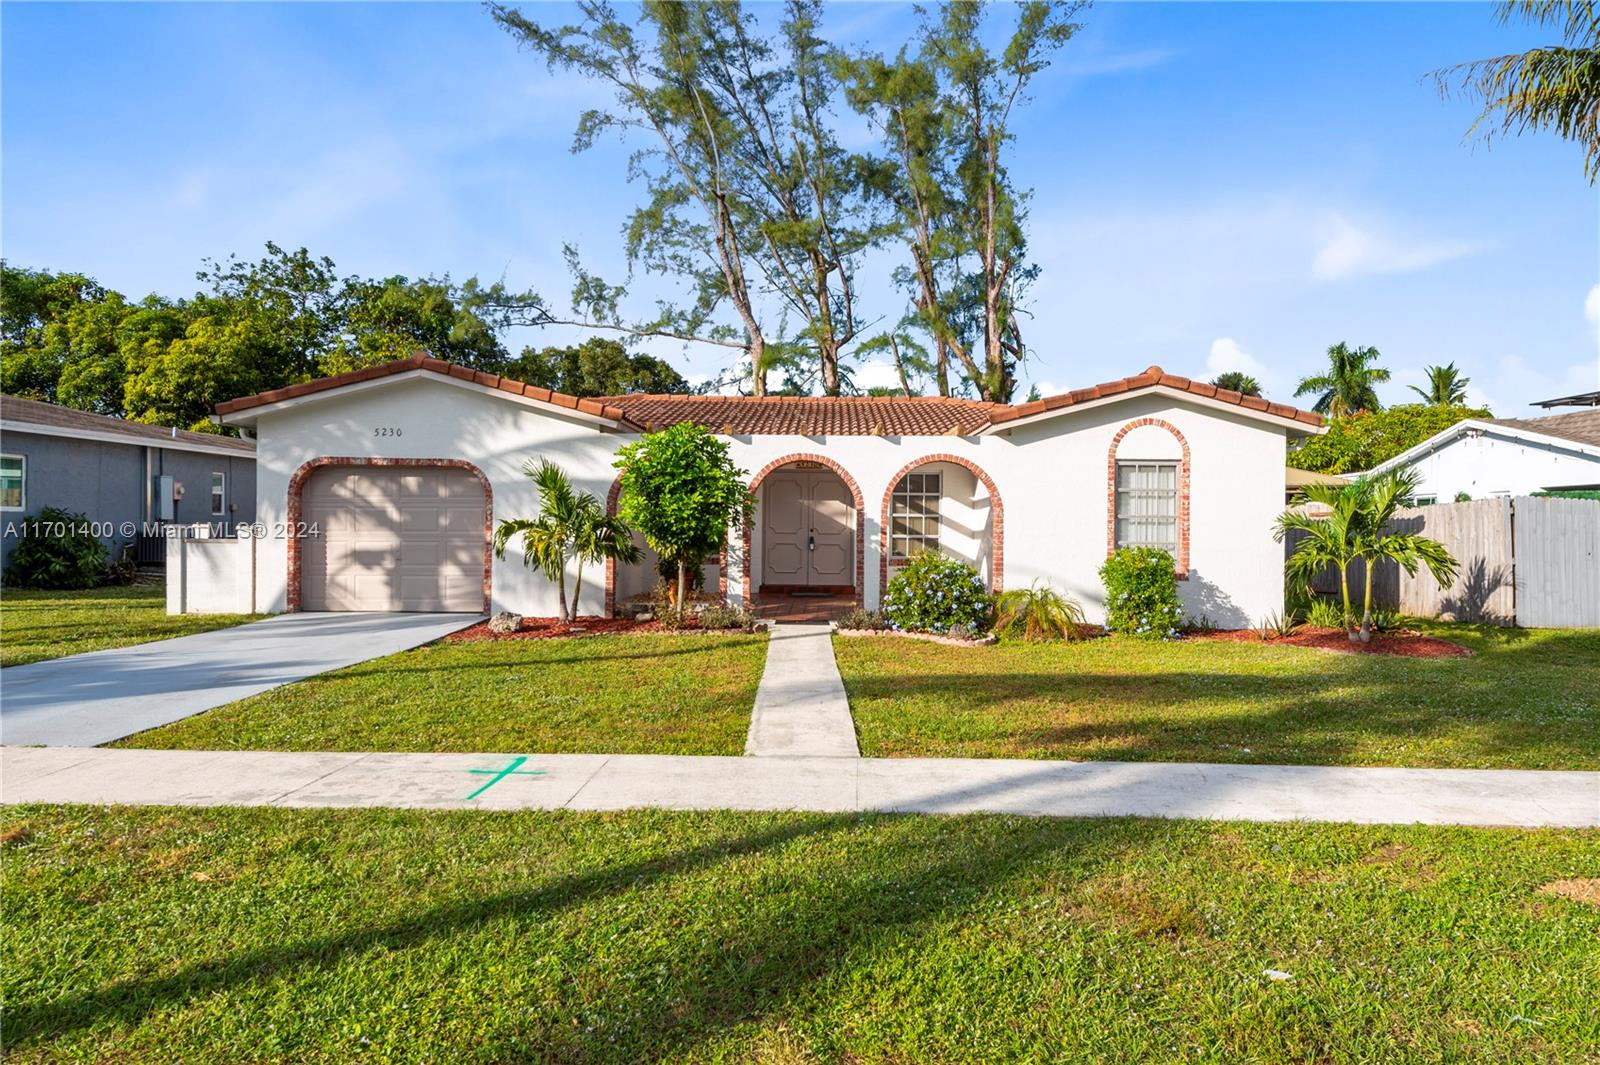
(808, 539)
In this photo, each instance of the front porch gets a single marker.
(802, 606)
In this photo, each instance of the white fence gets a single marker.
(210, 576)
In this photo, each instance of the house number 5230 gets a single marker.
(386, 430)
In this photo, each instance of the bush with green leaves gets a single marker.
(57, 550)
(1142, 593)
(862, 620)
(936, 593)
(722, 616)
(1038, 612)
(1325, 614)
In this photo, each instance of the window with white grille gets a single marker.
(914, 515)
(1147, 505)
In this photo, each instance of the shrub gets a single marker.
(1325, 614)
(57, 551)
(936, 593)
(1142, 593)
(1038, 612)
(863, 620)
(1277, 625)
(722, 616)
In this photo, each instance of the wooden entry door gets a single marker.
(808, 531)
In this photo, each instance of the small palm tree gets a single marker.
(1038, 612)
(1552, 87)
(1347, 385)
(1237, 381)
(570, 524)
(1329, 539)
(1446, 387)
(1375, 542)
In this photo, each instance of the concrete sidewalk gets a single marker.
(801, 708)
(924, 785)
(82, 700)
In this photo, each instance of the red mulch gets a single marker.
(552, 629)
(1404, 643)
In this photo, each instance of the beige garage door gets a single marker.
(401, 538)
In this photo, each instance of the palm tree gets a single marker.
(1235, 381)
(570, 524)
(1329, 539)
(1347, 385)
(1038, 612)
(1446, 387)
(1375, 542)
(1553, 87)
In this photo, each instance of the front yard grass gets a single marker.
(299, 935)
(1528, 699)
(37, 625)
(687, 694)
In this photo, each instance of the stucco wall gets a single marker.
(1499, 465)
(1051, 476)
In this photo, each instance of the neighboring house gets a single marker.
(1506, 457)
(127, 478)
(395, 476)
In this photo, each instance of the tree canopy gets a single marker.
(1348, 384)
(1361, 441)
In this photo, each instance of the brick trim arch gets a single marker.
(997, 510)
(855, 494)
(1183, 490)
(298, 481)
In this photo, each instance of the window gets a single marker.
(914, 515)
(13, 482)
(1147, 505)
(218, 493)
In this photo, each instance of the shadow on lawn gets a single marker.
(767, 948)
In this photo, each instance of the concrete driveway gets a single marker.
(94, 698)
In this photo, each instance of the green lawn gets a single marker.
(35, 626)
(616, 694)
(257, 934)
(1529, 699)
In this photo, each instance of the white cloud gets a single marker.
(874, 373)
(1226, 356)
(1349, 250)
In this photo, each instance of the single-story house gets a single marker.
(129, 479)
(379, 489)
(1503, 457)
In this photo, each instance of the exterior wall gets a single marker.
(1498, 465)
(210, 576)
(1050, 477)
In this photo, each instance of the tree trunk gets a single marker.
(683, 582)
(829, 354)
(1344, 588)
(577, 592)
(1366, 605)
(758, 372)
(561, 585)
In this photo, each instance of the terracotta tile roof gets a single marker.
(1582, 426)
(1155, 375)
(791, 415)
(812, 415)
(34, 412)
(420, 361)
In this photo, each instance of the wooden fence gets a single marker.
(1532, 561)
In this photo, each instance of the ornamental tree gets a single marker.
(682, 492)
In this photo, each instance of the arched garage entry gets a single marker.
(390, 534)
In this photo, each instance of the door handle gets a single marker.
(811, 543)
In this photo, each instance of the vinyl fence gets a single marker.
(1532, 561)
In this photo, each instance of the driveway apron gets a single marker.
(94, 698)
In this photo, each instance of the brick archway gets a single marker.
(1183, 490)
(997, 508)
(855, 495)
(297, 483)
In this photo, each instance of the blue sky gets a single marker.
(1217, 186)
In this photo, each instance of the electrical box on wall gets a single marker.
(164, 497)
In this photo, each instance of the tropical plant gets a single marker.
(1446, 387)
(1238, 381)
(1142, 593)
(570, 525)
(682, 491)
(1378, 541)
(1362, 441)
(1325, 614)
(1328, 539)
(1277, 624)
(861, 619)
(1347, 385)
(58, 549)
(1038, 612)
(1551, 87)
(937, 593)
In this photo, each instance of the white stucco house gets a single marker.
(1504, 457)
(378, 489)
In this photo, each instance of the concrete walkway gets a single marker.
(801, 709)
(925, 785)
(102, 696)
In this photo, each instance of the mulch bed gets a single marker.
(1403, 642)
(930, 637)
(553, 629)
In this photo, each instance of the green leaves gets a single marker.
(1347, 386)
(1362, 441)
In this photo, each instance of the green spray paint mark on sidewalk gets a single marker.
(501, 774)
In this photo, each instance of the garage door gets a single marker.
(401, 538)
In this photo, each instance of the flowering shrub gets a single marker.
(936, 593)
(1142, 593)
